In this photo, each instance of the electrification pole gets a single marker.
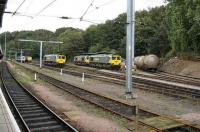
(130, 46)
(41, 54)
(41, 44)
(21, 56)
(5, 48)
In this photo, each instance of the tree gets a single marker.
(184, 21)
(73, 42)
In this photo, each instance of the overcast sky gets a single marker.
(108, 9)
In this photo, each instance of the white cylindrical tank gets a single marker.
(151, 61)
(139, 61)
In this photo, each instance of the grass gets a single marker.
(23, 77)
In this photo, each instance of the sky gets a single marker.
(99, 12)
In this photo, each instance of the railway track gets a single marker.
(143, 83)
(169, 89)
(34, 115)
(173, 78)
(178, 78)
(158, 75)
(117, 107)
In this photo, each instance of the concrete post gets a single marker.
(83, 77)
(35, 78)
(41, 54)
(61, 71)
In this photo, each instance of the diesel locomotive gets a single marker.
(54, 60)
(99, 60)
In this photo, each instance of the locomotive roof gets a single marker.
(87, 53)
(98, 53)
(53, 54)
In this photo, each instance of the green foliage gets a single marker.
(167, 31)
(73, 42)
(184, 21)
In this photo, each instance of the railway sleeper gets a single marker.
(48, 128)
(34, 114)
(43, 124)
(30, 108)
(31, 111)
(21, 98)
(38, 119)
(27, 105)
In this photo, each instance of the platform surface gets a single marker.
(7, 121)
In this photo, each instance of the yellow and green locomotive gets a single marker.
(82, 60)
(100, 60)
(28, 59)
(54, 60)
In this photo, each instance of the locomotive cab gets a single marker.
(60, 59)
(115, 61)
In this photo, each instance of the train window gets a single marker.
(118, 58)
(113, 58)
(63, 57)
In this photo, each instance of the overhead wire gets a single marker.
(91, 4)
(45, 8)
(96, 8)
(27, 8)
(32, 16)
(60, 17)
(40, 11)
(100, 6)
(90, 21)
(18, 7)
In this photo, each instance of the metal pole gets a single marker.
(15, 55)
(5, 47)
(21, 56)
(40, 54)
(133, 31)
(129, 46)
(9, 55)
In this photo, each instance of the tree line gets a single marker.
(167, 31)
